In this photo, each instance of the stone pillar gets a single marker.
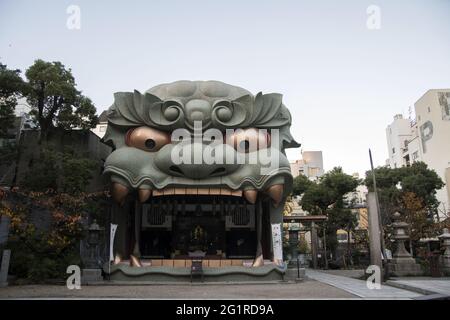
(374, 231)
(402, 263)
(4, 268)
(314, 244)
(445, 245)
(293, 244)
(4, 229)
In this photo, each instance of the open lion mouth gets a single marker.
(275, 192)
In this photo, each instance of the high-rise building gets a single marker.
(311, 165)
(427, 139)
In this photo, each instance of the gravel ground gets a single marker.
(308, 289)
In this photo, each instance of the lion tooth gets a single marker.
(144, 194)
(236, 193)
(119, 192)
(259, 261)
(251, 195)
(117, 259)
(135, 261)
(276, 193)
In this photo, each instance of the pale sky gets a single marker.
(342, 82)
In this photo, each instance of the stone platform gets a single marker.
(180, 271)
(404, 267)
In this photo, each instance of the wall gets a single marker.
(433, 120)
(85, 143)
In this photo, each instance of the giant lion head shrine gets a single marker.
(198, 171)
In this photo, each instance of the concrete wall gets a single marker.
(85, 143)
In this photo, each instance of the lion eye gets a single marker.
(249, 140)
(147, 139)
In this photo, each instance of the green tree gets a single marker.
(54, 99)
(327, 197)
(300, 185)
(412, 192)
(392, 185)
(11, 88)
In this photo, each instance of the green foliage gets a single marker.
(410, 191)
(37, 267)
(62, 171)
(55, 101)
(76, 173)
(11, 87)
(339, 182)
(392, 185)
(317, 198)
(43, 172)
(300, 185)
(327, 197)
(8, 153)
(39, 254)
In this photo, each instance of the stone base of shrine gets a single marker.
(168, 270)
(404, 267)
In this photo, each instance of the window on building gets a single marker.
(429, 110)
(407, 162)
(313, 172)
(393, 150)
(415, 155)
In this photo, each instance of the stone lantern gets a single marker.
(93, 241)
(402, 263)
(293, 241)
(445, 245)
(91, 271)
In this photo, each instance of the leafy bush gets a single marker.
(63, 171)
(37, 255)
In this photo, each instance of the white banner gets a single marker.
(277, 242)
(111, 241)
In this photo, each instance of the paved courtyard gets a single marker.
(425, 286)
(317, 285)
(308, 289)
(359, 287)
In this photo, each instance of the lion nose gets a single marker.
(191, 165)
(195, 171)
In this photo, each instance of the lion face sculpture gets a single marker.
(189, 139)
(145, 129)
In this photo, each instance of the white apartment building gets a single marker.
(399, 133)
(425, 139)
(100, 129)
(311, 165)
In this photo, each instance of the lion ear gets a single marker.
(287, 140)
(114, 136)
(269, 111)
